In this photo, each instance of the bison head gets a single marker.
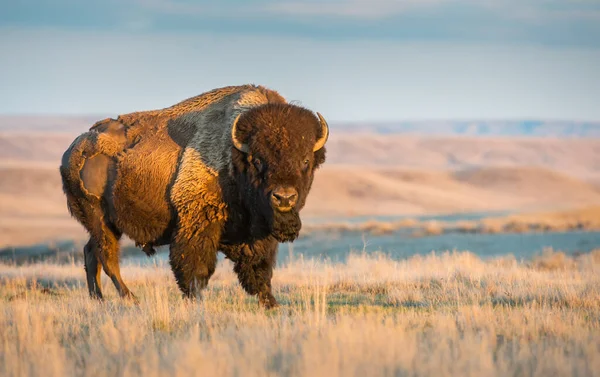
(279, 146)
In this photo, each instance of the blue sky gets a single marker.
(349, 59)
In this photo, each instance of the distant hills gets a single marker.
(406, 169)
(537, 128)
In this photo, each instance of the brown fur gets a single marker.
(144, 175)
(196, 183)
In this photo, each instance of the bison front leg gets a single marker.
(253, 265)
(193, 258)
(196, 198)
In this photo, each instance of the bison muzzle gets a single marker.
(228, 170)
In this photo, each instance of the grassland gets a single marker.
(438, 315)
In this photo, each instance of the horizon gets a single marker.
(100, 116)
(489, 128)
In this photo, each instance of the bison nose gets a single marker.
(284, 198)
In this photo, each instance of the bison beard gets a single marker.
(286, 226)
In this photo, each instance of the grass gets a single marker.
(436, 315)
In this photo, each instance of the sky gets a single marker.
(351, 60)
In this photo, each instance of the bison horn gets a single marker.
(237, 143)
(324, 132)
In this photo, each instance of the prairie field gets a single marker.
(390, 310)
(436, 315)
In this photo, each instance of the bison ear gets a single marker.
(236, 142)
(324, 134)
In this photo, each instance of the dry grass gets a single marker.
(438, 315)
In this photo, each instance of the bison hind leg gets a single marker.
(93, 269)
(109, 250)
(102, 249)
(82, 210)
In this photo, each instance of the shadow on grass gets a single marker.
(59, 252)
(531, 300)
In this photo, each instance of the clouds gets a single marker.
(546, 22)
(356, 9)
(297, 16)
(226, 8)
(538, 10)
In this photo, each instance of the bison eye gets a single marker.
(306, 163)
(258, 164)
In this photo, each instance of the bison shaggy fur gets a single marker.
(228, 170)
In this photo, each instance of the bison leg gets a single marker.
(84, 213)
(105, 242)
(103, 247)
(93, 269)
(109, 256)
(196, 198)
(253, 265)
(193, 258)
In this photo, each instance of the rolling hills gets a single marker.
(366, 174)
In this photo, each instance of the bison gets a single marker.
(228, 170)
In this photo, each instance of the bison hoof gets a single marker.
(130, 297)
(192, 296)
(97, 296)
(267, 301)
